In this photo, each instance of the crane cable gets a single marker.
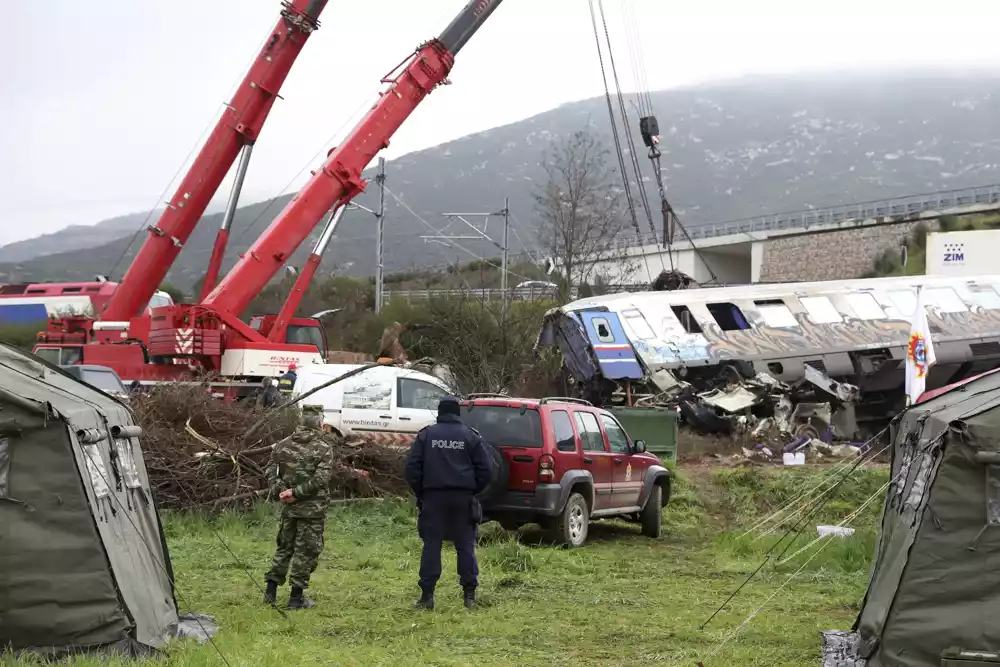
(633, 155)
(649, 130)
(614, 124)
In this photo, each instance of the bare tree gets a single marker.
(581, 211)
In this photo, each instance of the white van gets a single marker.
(387, 404)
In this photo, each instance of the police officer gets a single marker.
(286, 383)
(447, 466)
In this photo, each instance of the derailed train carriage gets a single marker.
(851, 331)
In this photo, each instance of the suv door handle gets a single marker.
(385, 417)
(618, 462)
(587, 459)
(405, 419)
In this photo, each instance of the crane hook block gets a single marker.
(650, 130)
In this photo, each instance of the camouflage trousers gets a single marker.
(300, 543)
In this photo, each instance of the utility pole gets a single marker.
(504, 247)
(379, 233)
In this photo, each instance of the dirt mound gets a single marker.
(202, 453)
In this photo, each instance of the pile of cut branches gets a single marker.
(203, 453)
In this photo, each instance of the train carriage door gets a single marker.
(611, 347)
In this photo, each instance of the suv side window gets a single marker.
(565, 438)
(590, 432)
(616, 435)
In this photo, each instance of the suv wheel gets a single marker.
(570, 527)
(652, 514)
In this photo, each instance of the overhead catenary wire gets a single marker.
(807, 498)
(846, 520)
(843, 523)
(452, 243)
(201, 138)
(732, 635)
(794, 531)
(322, 151)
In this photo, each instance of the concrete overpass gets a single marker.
(740, 251)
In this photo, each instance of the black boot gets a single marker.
(271, 593)
(426, 601)
(297, 600)
(470, 598)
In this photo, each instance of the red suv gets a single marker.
(563, 462)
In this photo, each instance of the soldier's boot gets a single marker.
(271, 594)
(298, 600)
(470, 598)
(426, 601)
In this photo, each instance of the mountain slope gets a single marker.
(731, 150)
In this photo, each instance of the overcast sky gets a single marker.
(103, 101)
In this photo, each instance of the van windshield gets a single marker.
(504, 426)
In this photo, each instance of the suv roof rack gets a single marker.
(565, 399)
(486, 394)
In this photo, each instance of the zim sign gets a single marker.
(954, 253)
(968, 252)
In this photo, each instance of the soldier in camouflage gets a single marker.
(299, 476)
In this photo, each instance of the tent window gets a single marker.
(728, 316)
(684, 314)
(820, 309)
(98, 471)
(4, 467)
(919, 485)
(776, 313)
(993, 495)
(126, 462)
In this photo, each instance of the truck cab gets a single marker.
(301, 331)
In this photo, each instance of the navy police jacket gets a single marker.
(448, 456)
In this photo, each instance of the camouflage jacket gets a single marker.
(302, 462)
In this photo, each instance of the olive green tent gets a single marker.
(83, 561)
(933, 597)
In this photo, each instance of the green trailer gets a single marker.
(656, 426)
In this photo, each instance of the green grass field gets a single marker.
(621, 600)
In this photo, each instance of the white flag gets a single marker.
(919, 352)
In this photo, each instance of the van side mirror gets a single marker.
(640, 446)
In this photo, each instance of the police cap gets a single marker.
(312, 409)
(448, 405)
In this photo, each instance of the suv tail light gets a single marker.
(546, 468)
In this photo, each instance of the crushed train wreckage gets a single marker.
(800, 359)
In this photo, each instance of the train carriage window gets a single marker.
(776, 313)
(820, 309)
(985, 297)
(603, 330)
(684, 314)
(904, 304)
(865, 306)
(638, 324)
(728, 316)
(945, 299)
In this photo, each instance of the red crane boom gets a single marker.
(339, 180)
(239, 126)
